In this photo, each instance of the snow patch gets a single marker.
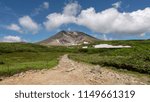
(110, 46)
(85, 42)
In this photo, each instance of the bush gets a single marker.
(136, 58)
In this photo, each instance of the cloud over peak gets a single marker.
(113, 21)
(72, 9)
(106, 21)
(67, 16)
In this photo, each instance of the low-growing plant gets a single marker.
(136, 58)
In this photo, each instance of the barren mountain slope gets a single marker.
(68, 38)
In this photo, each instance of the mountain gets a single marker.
(67, 38)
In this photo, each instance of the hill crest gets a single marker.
(68, 38)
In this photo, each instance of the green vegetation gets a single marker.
(136, 58)
(19, 57)
(21, 47)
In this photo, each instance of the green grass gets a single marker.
(9, 70)
(18, 57)
(135, 59)
(23, 61)
(21, 47)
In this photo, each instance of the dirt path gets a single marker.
(71, 72)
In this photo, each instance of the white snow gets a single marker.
(57, 40)
(110, 46)
(85, 42)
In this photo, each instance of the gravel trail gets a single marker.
(69, 72)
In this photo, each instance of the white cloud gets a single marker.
(72, 9)
(68, 16)
(117, 4)
(11, 39)
(46, 5)
(142, 35)
(28, 24)
(56, 19)
(98, 22)
(113, 21)
(42, 7)
(106, 21)
(14, 27)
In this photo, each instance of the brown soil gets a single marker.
(74, 73)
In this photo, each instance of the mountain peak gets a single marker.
(68, 38)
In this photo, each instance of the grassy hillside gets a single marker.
(136, 58)
(21, 47)
(18, 57)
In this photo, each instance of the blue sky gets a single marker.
(35, 20)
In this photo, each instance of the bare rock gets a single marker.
(70, 70)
